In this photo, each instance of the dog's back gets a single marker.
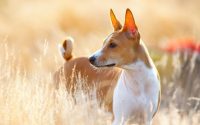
(103, 79)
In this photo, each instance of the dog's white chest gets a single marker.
(136, 93)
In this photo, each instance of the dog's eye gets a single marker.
(112, 45)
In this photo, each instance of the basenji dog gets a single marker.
(137, 93)
(69, 74)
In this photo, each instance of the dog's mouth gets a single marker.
(108, 65)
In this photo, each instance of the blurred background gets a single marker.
(27, 24)
(30, 31)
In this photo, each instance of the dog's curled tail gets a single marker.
(66, 48)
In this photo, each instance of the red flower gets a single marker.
(182, 45)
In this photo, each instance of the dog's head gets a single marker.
(121, 46)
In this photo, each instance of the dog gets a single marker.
(137, 93)
(103, 80)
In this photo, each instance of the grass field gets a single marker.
(31, 29)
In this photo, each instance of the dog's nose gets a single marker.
(92, 59)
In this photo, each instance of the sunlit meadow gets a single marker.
(30, 31)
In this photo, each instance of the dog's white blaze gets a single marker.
(130, 97)
(98, 53)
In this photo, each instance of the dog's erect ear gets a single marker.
(129, 25)
(116, 24)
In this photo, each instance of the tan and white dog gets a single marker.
(137, 93)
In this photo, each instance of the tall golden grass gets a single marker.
(29, 34)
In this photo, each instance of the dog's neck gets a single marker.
(135, 77)
(140, 69)
(136, 69)
(137, 65)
